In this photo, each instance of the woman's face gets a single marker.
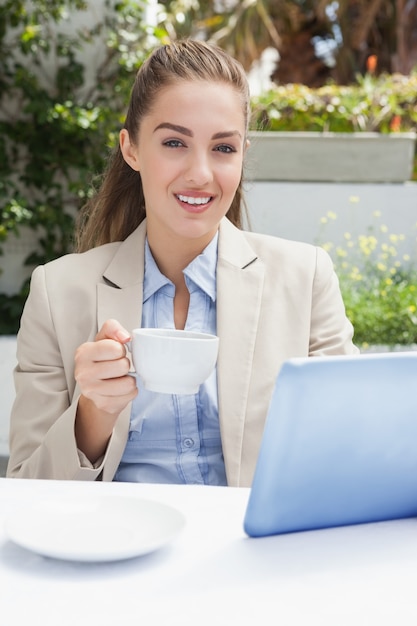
(189, 154)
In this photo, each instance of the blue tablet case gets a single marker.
(339, 446)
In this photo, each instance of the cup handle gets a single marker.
(129, 355)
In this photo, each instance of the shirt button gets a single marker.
(188, 443)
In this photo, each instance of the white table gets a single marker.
(212, 574)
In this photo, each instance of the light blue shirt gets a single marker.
(176, 438)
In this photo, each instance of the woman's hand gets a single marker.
(101, 371)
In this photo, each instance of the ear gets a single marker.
(129, 151)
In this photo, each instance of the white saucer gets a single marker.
(100, 528)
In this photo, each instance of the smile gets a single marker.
(193, 200)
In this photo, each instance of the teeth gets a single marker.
(191, 200)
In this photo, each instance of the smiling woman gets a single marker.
(161, 245)
(190, 162)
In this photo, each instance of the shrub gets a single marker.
(384, 104)
(379, 286)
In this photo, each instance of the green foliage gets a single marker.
(63, 90)
(381, 313)
(11, 309)
(386, 103)
(379, 286)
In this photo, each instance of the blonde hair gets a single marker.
(118, 207)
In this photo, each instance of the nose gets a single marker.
(199, 171)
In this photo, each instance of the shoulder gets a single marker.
(277, 245)
(241, 248)
(285, 252)
(82, 267)
(96, 257)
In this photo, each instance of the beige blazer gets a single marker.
(276, 299)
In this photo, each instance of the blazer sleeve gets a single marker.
(42, 440)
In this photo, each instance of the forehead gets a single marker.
(200, 99)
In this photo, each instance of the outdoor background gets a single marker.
(66, 68)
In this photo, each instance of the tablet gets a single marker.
(339, 445)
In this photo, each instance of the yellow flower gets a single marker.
(412, 308)
(367, 244)
(355, 274)
(383, 228)
(376, 213)
(323, 220)
(331, 215)
(381, 266)
(347, 236)
(354, 199)
(327, 246)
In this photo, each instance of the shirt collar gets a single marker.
(153, 279)
(200, 272)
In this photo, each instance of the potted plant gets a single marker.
(357, 133)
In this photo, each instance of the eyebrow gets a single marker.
(189, 133)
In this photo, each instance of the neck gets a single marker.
(173, 255)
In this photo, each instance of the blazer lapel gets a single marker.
(240, 277)
(120, 297)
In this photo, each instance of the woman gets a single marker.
(161, 245)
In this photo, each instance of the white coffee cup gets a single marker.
(173, 361)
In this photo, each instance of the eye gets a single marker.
(225, 148)
(173, 143)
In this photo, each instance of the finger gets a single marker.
(107, 369)
(112, 329)
(112, 388)
(96, 351)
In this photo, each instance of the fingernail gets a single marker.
(123, 335)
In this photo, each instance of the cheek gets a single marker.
(232, 179)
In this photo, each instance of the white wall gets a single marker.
(7, 363)
(294, 210)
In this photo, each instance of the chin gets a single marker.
(197, 228)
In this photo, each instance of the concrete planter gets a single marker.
(330, 157)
